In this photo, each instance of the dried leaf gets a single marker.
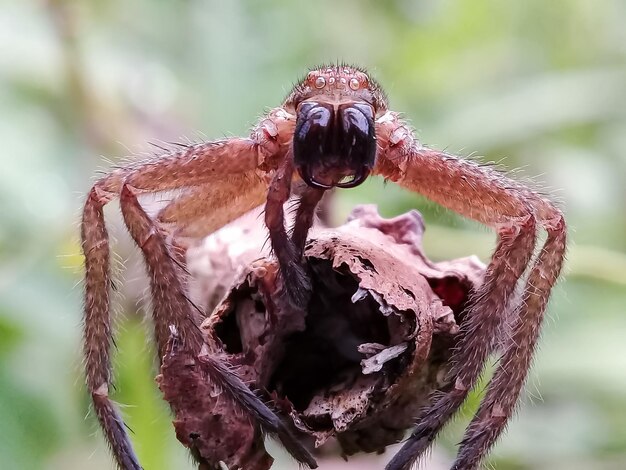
(357, 367)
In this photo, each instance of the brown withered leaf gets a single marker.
(357, 367)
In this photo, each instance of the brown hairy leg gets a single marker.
(509, 378)
(204, 209)
(487, 196)
(97, 330)
(171, 307)
(511, 257)
(305, 216)
(296, 283)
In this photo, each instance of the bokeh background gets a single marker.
(535, 85)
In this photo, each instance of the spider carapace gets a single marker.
(333, 130)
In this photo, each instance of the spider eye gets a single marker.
(334, 146)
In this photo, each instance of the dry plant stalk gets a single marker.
(357, 367)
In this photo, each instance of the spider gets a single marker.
(333, 130)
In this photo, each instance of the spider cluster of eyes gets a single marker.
(320, 82)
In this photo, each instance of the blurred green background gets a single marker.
(536, 85)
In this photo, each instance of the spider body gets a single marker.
(334, 129)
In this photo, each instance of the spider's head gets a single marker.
(334, 142)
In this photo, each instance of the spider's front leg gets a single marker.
(514, 211)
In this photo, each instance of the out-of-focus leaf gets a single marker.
(10, 336)
(27, 428)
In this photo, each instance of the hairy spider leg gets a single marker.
(486, 309)
(97, 329)
(193, 166)
(483, 194)
(202, 210)
(296, 282)
(305, 216)
(500, 400)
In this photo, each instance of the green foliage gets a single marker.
(540, 83)
(27, 421)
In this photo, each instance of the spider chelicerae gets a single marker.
(333, 130)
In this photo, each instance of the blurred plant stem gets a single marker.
(92, 122)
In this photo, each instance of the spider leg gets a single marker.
(513, 210)
(97, 329)
(204, 209)
(501, 398)
(296, 283)
(510, 258)
(305, 216)
(171, 307)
